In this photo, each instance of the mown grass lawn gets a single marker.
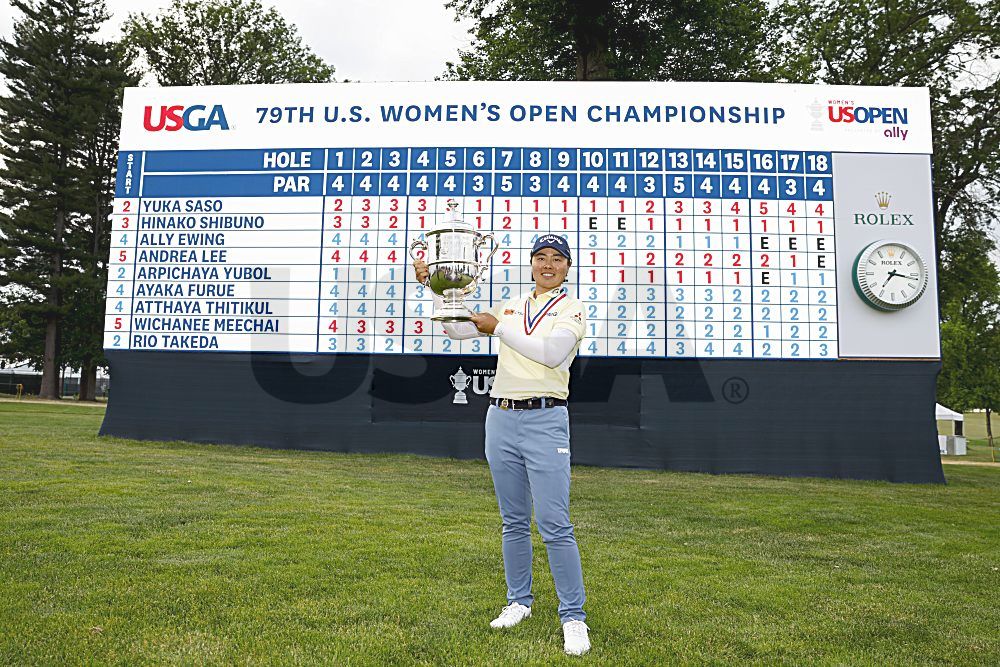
(977, 451)
(125, 552)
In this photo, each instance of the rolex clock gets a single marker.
(889, 275)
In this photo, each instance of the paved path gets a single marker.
(984, 464)
(45, 401)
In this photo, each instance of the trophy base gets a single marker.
(451, 318)
(452, 312)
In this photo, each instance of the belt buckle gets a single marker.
(504, 404)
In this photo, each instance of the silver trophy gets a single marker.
(453, 259)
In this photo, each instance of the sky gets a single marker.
(365, 40)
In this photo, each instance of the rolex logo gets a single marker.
(883, 199)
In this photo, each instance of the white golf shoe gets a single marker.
(575, 639)
(511, 615)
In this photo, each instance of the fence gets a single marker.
(32, 383)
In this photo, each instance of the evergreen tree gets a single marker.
(108, 74)
(42, 124)
(22, 331)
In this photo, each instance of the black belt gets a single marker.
(528, 403)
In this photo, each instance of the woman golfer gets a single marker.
(527, 433)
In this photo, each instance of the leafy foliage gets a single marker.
(637, 40)
(949, 46)
(970, 377)
(223, 42)
(970, 330)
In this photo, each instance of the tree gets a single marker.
(223, 42)
(970, 328)
(970, 284)
(637, 40)
(109, 73)
(949, 46)
(970, 375)
(42, 123)
(22, 329)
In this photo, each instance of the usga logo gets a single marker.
(195, 118)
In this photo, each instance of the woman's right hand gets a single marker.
(422, 271)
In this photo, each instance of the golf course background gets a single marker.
(124, 552)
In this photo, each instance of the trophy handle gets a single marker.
(417, 244)
(485, 264)
(422, 245)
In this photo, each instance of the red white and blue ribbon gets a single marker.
(531, 323)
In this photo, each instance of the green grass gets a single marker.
(975, 425)
(977, 451)
(123, 552)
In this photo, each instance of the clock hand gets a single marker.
(892, 274)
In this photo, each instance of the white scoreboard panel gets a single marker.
(703, 219)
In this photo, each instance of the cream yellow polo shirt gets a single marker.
(519, 377)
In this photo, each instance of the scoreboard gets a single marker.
(688, 241)
(746, 254)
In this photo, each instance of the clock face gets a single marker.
(889, 275)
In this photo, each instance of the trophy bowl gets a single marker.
(455, 268)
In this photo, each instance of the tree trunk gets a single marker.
(88, 373)
(989, 435)
(50, 366)
(591, 33)
(88, 381)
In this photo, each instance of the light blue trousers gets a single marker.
(528, 453)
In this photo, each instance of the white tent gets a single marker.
(954, 442)
(942, 413)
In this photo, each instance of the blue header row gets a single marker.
(489, 159)
(499, 184)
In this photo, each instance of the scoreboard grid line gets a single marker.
(135, 250)
(493, 231)
(833, 236)
(322, 250)
(406, 276)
